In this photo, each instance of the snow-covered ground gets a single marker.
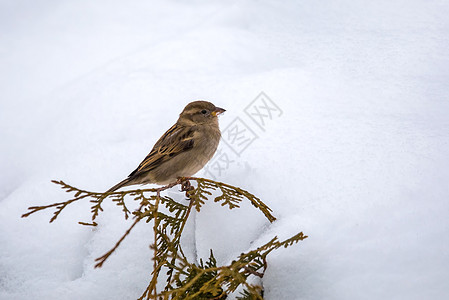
(355, 154)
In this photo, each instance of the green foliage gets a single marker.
(192, 283)
(185, 279)
(230, 196)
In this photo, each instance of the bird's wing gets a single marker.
(176, 140)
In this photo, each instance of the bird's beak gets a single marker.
(218, 111)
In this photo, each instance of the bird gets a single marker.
(182, 150)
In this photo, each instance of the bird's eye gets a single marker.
(204, 111)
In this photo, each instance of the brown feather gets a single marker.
(176, 140)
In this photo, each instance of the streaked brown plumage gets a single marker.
(183, 150)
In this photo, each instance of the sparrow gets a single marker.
(181, 151)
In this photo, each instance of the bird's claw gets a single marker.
(187, 187)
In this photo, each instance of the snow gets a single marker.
(356, 155)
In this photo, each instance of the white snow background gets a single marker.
(358, 160)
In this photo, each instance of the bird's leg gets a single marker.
(187, 187)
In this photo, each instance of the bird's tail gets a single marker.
(119, 185)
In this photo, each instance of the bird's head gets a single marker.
(200, 112)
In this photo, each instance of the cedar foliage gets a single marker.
(185, 279)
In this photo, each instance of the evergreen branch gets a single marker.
(185, 280)
(177, 240)
(155, 228)
(104, 257)
(59, 207)
(251, 271)
(96, 208)
(231, 195)
(79, 194)
(251, 292)
(227, 278)
(120, 201)
(88, 224)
